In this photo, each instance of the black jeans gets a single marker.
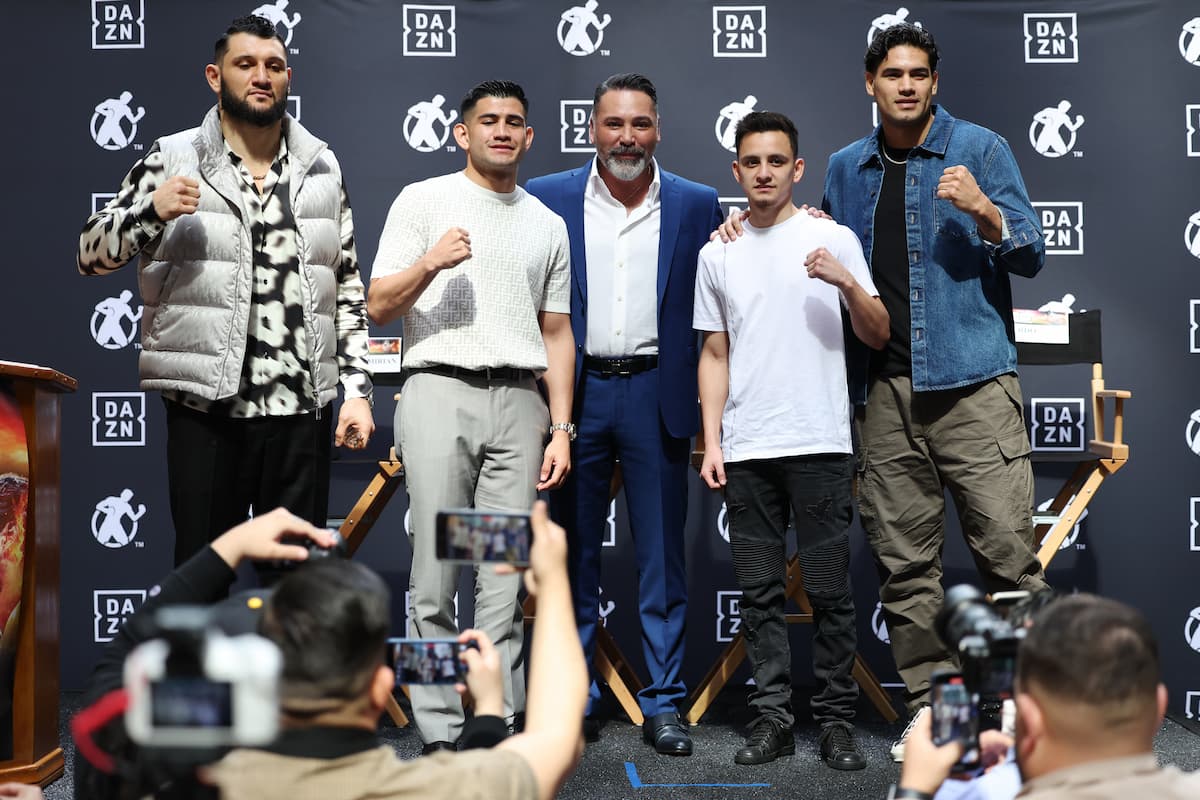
(817, 491)
(219, 468)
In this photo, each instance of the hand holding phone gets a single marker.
(955, 717)
(435, 662)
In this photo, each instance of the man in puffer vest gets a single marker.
(253, 304)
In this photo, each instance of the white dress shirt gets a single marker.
(622, 270)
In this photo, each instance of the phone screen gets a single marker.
(955, 717)
(472, 536)
(427, 661)
(191, 703)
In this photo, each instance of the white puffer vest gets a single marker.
(196, 277)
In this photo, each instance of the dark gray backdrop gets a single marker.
(1121, 206)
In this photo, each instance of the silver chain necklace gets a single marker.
(883, 149)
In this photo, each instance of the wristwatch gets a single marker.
(569, 427)
(896, 793)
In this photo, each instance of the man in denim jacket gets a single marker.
(943, 216)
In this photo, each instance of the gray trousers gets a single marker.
(913, 446)
(466, 443)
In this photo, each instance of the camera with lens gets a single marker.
(196, 687)
(986, 643)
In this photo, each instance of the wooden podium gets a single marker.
(36, 754)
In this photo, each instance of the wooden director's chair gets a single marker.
(610, 662)
(1104, 455)
(735, 652)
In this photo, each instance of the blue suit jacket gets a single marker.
(690, 212)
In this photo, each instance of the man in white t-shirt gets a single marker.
(479, 270)
(776, 418)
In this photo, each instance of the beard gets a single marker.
(243, 111)
(624, 170)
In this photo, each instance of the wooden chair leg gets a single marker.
(395, 712)
(733, 654)
(370, 504)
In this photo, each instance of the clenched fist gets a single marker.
(451, 250)
(176, 197)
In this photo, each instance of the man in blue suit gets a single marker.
(635, 233)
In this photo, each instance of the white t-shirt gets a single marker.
(483, 312)
(787, 366)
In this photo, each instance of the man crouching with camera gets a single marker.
(1089, 702)
(329, 620)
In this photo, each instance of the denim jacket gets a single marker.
(959, 294)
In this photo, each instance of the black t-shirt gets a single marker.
(889, 267)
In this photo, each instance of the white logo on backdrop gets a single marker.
(1051, 38)
(1191, 234)
(429, 31)
(573, 118)
(1193, 432)
(118, 25)
(574, 29)
(1070, 538)
(729, 615)
(723, 522)
(276, 14)
(100, 200)
(293, 106)
(606, 608)
(1057, 424)
(1191, 705)
(885, 21)
(610, 533)
(1194, 528)
(1191, 629)
(111, 607)
(1195, 326)
(1192, 113)
(427, 125)
(107, 127)
(118, 419)
(108, 520)
(1062, 226)
(879, 624)
(729, 117)
(739, 31)
(1052, 132)
(114, 322)
(1189, 41)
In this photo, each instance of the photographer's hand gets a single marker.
(258, 538)
(993, 748)
(926, 765)
(483, 674)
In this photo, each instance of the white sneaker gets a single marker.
(898, 745)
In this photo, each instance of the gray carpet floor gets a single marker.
(621, 766)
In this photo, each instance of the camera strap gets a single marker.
(91, 719)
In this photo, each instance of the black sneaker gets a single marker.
(433, 747)
(838, 748)
(768, 740)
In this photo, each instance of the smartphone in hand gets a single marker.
(428, 661)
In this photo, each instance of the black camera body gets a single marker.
(986, 644)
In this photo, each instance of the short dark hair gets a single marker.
(251, 24)
(1093, 651)
(492, 89)
(633, 81)
(762, 122)
(904, 33)
(330, 619)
